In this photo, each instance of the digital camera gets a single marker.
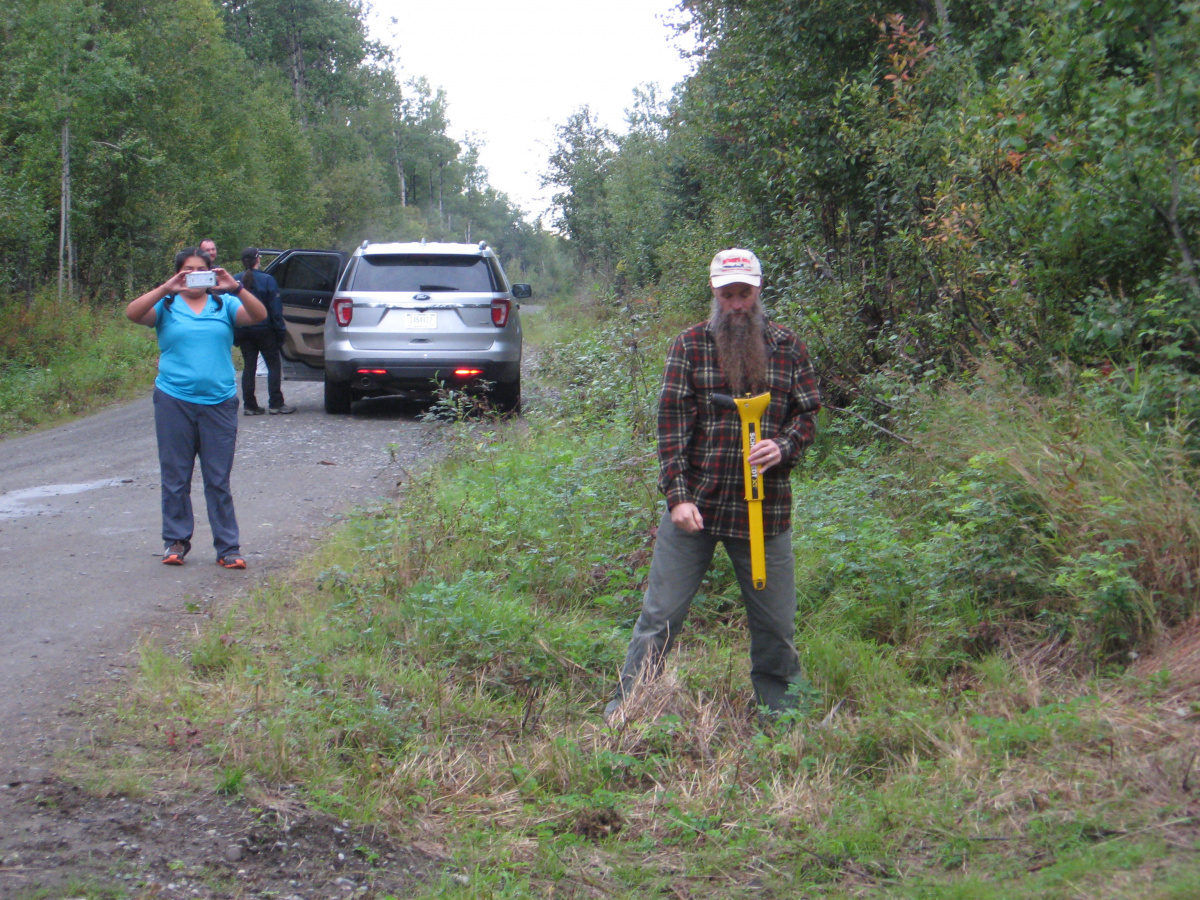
(201, 279)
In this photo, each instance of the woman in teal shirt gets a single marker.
(195, 398)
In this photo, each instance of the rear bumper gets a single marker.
(390, 375)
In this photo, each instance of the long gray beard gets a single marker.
(741, 340)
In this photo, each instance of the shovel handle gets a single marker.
(750, 410)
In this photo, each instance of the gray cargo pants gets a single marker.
(185, 431)
(679, 563)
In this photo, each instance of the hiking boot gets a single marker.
(231, 561)
(282, 410)
(173, 555)
(253, 411)
(611, 710)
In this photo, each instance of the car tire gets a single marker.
(337, 397)
(506, 396)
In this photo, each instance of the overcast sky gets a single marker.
(514, 69)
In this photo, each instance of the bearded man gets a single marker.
(736, 352)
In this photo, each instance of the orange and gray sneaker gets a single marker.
(175, 552)
(231, 561)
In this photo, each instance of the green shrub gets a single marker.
(64, 359)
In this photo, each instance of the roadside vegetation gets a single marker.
(925, 183)
(62, 360)
(991, 715)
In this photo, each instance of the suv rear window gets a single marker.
(424, 274)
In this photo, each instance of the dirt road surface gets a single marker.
(81, 580)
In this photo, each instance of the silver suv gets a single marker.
(406, 318)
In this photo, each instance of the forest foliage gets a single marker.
(925, 182)
(983, 219)
(130, 129)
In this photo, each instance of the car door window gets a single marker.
(307, 273)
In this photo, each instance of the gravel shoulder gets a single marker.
(82, 583)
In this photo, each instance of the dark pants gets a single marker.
(252, 343)
(185, 431)
(679, 563)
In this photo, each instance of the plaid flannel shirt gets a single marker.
(700, 444)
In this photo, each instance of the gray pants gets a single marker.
(185, 431)
(680, 561)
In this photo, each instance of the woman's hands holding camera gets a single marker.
(176, 284)
(226, 283)
(213, 281)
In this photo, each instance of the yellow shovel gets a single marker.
(750, 410)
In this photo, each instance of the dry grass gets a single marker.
(703, 777)
(1176, 653)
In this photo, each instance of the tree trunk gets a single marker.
(400, 170)
(296, 67)
(27, 268)
(66, 252)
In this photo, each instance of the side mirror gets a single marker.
(522, 291)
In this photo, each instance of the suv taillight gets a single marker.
(343, 311)
(500, 310)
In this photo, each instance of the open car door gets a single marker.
(307, 279)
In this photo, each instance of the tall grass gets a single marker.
(1118, 513)
(59, 360)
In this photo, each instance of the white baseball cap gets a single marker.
(735, 267)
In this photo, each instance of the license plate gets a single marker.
(420, 320)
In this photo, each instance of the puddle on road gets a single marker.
(16, 504)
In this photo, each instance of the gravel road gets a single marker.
(80, 576)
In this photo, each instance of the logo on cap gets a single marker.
(735, 265)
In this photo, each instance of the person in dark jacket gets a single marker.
(265, 338)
